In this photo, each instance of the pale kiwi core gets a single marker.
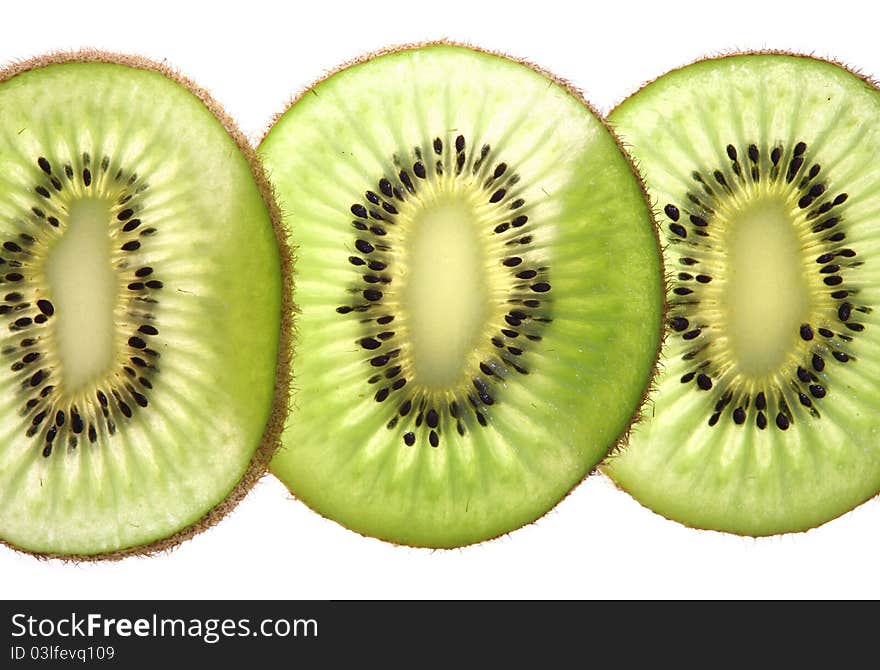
(766, 296)
(83, 288)
(445, 317)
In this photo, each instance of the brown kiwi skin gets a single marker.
(722, 55)
(271, 438)
(578, 95)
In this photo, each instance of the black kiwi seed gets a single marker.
(527, 280)
(689, 220)
(52, 419)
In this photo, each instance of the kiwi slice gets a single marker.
(140, 308)
(766, 417)
(480, 288)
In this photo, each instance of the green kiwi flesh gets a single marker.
(766, 416)
(140, 308)
(480, 292)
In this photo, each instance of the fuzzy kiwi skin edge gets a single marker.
(271, 438)
(653, 214)
(871, 83)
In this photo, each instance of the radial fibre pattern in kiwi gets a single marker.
(123, 161)
(766, 417)
(480, 293)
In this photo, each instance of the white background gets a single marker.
(598, 543)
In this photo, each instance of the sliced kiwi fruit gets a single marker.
(141, 305)
(766, 417)
(480, 287)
